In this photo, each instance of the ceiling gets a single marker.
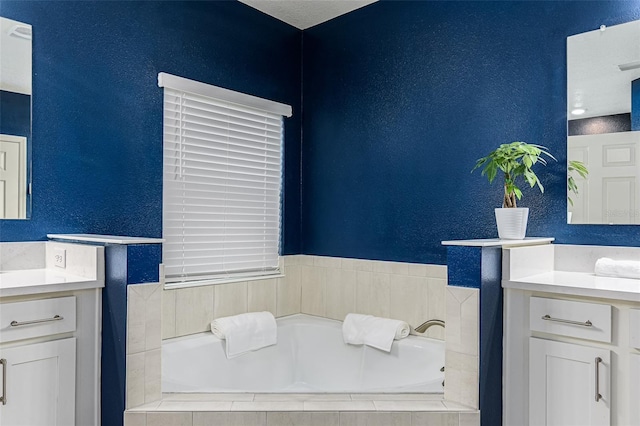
(304, 14)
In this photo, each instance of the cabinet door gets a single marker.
(634, 394)
(40, 384)
(563, 384)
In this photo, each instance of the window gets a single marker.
(222, 183)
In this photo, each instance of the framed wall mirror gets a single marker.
(15, 119)
(603, 113)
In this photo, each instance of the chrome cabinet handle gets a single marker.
(18, 324)
(586, 323)
(598, 360)
(3, 398)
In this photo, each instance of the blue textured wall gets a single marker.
(401, 98)
(97, 110)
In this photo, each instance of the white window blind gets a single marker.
(222, 180)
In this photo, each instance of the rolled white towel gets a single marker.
(617, 268)
(246, 332)
(373, 331)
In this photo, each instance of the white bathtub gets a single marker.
(310, 357)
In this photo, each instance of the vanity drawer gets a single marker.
(37, 318)
(634, 328)
(568, 318)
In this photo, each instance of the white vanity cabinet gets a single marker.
(569, 352)
(50, 334)
(38, 384)
(568, 384)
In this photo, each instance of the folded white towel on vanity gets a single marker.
(246, 332)
(618, 268)
(373, 331)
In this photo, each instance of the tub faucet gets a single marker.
(422, 328)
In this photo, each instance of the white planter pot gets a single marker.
(512, 223)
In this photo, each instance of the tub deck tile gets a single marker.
(302, 397)
(339, 406)
(208, 397)
(409, 406)
(396, 396)
(267, 406)
(194, 406)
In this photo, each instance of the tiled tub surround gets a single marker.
(328, 287)
(321, 286)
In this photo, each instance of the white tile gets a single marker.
(261, 296)
(153, 320)
(194, 406)
(339, 406)
(340, 293)
(195, 397)
(409, 405)
(267, 406)
(135, 379)
(434, 419)
(461, 387)
(229, 419)
(469, 419)
(194, 310)
(436, 301)
(302, 397)
(407, 299)
(456, 406)
(168, 313)
(417, 269)
(302, 419)
(313, 291)
(152, 406)
(396, 268)
(461, 362)
(169, 419)
(375, 419)
(136, 324)
(437, 271)
(373, 293)
(397, 396)
(462, 331)
(230, 299)
(135, 419)
(288, 292)
(327, 262)
(307, 260)
(152, 375)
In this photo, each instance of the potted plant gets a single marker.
(514, 160)
(574, 166)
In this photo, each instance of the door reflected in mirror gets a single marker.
(15, 118)
(603, 111)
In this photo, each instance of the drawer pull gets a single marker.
(18, 324)
(598, 360)
(586, 323)
(3, 398)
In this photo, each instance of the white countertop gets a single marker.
(492, 242)
(107, 239)
(36, 281)
(580, 284)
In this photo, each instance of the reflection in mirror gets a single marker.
(603, 109)
(15, 119)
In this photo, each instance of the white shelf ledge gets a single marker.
(491, 242)
(107, 239)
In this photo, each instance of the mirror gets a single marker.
(603, 113)
(15, 119)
